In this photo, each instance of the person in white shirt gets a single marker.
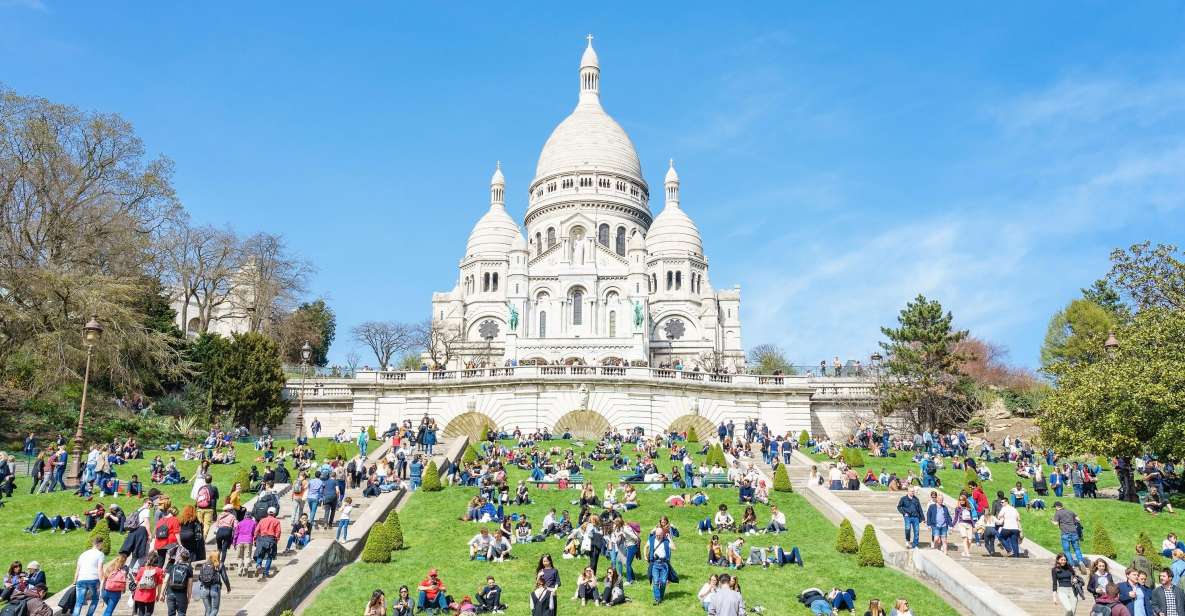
(707, 591)
(86, 577)
(481, 545)
(835, 477)
(777, 520)
(549, 522)
(1009, 518)
(723, 520)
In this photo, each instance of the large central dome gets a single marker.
(589, 139)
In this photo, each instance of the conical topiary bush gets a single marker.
(243, 477)
(102, 531)
(396, 529)
(470, 454)
(1101, 542)
(845, 541)
(870, 549)
(853, 457)
(431, 480)
(803, 438)
(782, 480)
(692, 435)
(370, 433)
(378, 545)
(969, 477)
(1150, 551)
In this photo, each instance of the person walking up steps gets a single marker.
(910, 509)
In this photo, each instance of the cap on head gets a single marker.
(271, 510)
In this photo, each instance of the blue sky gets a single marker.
(838, 160)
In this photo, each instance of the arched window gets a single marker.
(654, 283)
(193, 326)
(620, 241)
(494, 285)
(538, 243)
(670, 280)
(603, 235)
(485, 281)
(612, 323)
(542, 323)
(577, 307)
(550, 237)
(678, 280)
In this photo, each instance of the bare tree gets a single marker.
(201, 264)
(352, 359)
(439, 340)
(274, 279)
(384, 338)
(769, 359)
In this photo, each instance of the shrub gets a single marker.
(870, 549)
(782, 480)
(803, 438)
(969, 476)
(1102, 543)
(396, 530)
(103, 532)
(470, 454)
(1150, 551)
(370, 433)
(287, 613)
(716, 457)
(692, 435)
(431, 480)
(378, 545)
(853, 457)
(242, 477)
(845, 541)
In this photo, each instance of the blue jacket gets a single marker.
(932, 515)
(1126, 599)
(910, 506)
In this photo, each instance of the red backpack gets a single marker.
(203, 498)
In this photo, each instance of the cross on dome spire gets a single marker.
(671, 182)
(590, 38)
(497, 186)
(590, 75)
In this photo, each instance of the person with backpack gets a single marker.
(300, 489)
(267, 538)
(212, 578)
(167, 535)
(148, 582)
(192, 536)
(114, 583)
(179, 589)
(206, 502)
(266, 500)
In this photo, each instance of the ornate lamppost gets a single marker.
(1111, 345)
(876, 359)
(306, 353)
(91, 332)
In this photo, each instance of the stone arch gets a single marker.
(583, 424)
(471, 424)
(704, 427)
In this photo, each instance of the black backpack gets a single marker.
(179, 576)
(162, 531)
(207, 575)
(262, 504)
(16, 607)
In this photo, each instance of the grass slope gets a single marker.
(436, 538)
(1124, 521)
(58, 552)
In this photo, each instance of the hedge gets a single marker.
(845, 541)
(1102, 543)
(431, 480)
(782, 480)
(870, 549)
(370, 433)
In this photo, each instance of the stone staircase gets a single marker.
(1025, 581)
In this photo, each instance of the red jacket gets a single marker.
(980, 499)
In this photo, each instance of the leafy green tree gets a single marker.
(1150, 277)
(845, 539)
(1128, 404)
(1076, 334)
(1108, 298)
(769, 359)
(924, 382)
(869, 554)
(782, 480)
(314, 322)
(253, 381)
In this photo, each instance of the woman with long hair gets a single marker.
(1064, 581)
(874, 608)
(547, 572)
(192, 536)
(901, 608)
(377, 606)
(586, 587)
(542, 599)
(113, 584)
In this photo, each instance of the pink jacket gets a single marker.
(245, 531)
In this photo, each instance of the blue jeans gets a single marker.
(1072, 548)
(845, 600)
(439, 602)
(627, 567)
(912, 530)
(313, 503)
(110, 601)
(84, 590)
(343, 530)
(659, 570)
(1077, 490)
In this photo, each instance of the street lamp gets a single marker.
(876, 358)
(306, 353)
(1111, 345)
(91, 332)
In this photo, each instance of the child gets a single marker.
(343, 519)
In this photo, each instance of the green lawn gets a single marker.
(1123, 521)
(436, 538)
(58, 552)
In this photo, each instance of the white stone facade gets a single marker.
(596, 279)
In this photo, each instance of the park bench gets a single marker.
(570, 481)
(717, 479)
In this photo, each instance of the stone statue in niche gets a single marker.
(578, 248)
(584, 394)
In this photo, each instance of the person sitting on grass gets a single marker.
(777, 521)
(613, 592)
(746, 494)
(481, 545)
(716, 552)
(403, 605)
(489, 597)
(749, 521)
(1155, 502)
(677, 500)
(1169, 544)
(432, 594)
(586, 587)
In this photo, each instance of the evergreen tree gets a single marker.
(102, 531)
(371, 434)
(431, 479)
(470, 454)
(845, 540)
(803, 438)
(243, 477)
(254, 381)
(924, 381)
(1102, 543)
(870, 549)
(782, 480)
(1150, 551)
(853, 457)
(692, 435)
(378, 545)
(396, 530)
(1076, 335)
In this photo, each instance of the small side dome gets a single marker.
(493, 234)
(519, 243)
(673, 234)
